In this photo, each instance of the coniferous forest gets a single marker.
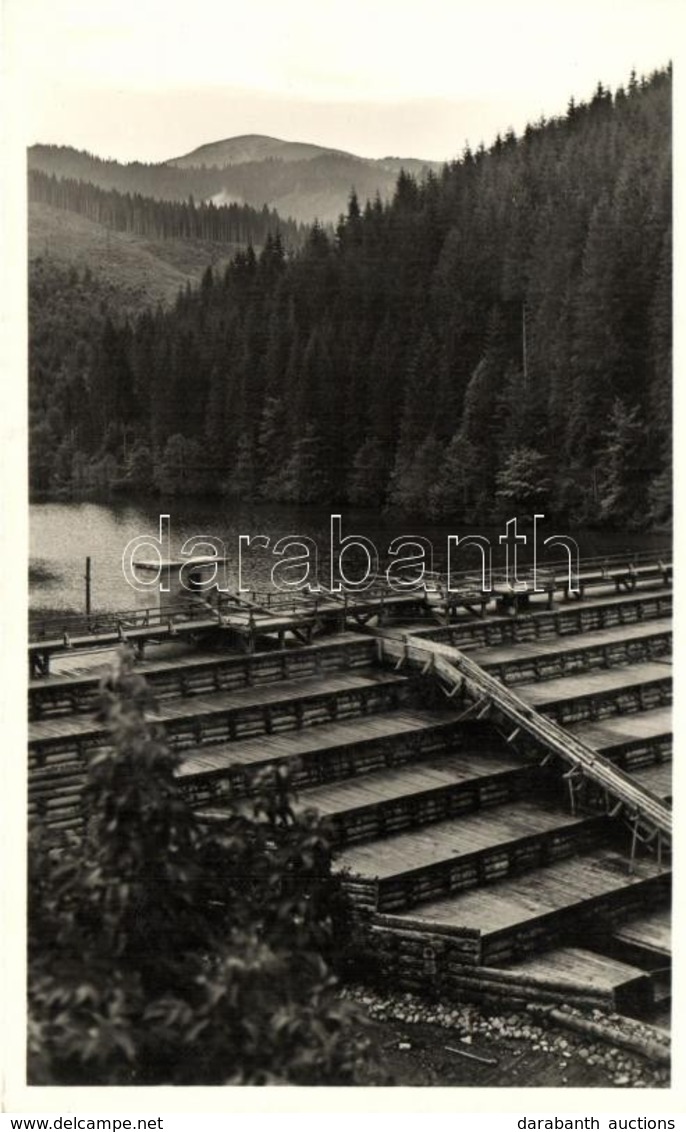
(495, 339)
(145, 216)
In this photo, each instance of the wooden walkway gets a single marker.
(298, 616)
(589, 615)
(657, 779)
(85, 669)
(424, 790)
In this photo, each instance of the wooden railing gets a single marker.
(81, 624)
(466, 583)
(648, 814)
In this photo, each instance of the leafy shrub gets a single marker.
(163, 952)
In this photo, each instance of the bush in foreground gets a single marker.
(163, 953)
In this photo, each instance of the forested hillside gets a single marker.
(497, 339)
(300, 181)
(140, 271)
(145, 216)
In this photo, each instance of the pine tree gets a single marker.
(622, 483)
(523, 485)
(368, 475)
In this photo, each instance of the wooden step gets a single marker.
(328, 752)
(647, 938)
(662, 987)
(576, 971)
(633, 741)
(573, 617)
(256, 710)
(657, 779)
(516, 916)
(195, 673)
(552, 659)
(422, 792)
(59, 748)
(460, 853)
(624, 690)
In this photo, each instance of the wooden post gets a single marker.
(88, 586)
(634, 843)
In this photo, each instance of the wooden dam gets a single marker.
(496, 772)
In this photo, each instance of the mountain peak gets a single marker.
(252, 147)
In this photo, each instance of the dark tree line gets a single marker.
(160, 219)
(497, 337)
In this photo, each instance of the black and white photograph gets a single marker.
(344, 420)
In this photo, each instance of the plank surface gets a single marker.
(593, 683)
(403, 782)
(558, 646)
(579, 967)
(445, 840)
(260, 695)
(642, 593)
(84, 668)
(657, 778)
(323, 737)
(615, 731)
(565, 885)
(653, 930)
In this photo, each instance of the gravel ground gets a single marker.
(497, 1048)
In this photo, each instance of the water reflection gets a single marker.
(62, 534)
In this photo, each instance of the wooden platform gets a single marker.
(619, 732)
(570, 618)
(641, 739)
(407, 782)
(464, 853)
(594, 683)
(433, 789)
(519, 914)
(201, 673)
(188, 625)
(462, 860)
(651, 933)
(626, 689)
(550, 659)
(620, 986)
(291, 695)
(657, 778)
(472, 833)
(322, 754)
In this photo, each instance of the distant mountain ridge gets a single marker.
(249, 148)
(252, 147)
(298, 179)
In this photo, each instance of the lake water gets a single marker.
(63, 534)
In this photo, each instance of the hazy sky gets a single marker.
(149, 79)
